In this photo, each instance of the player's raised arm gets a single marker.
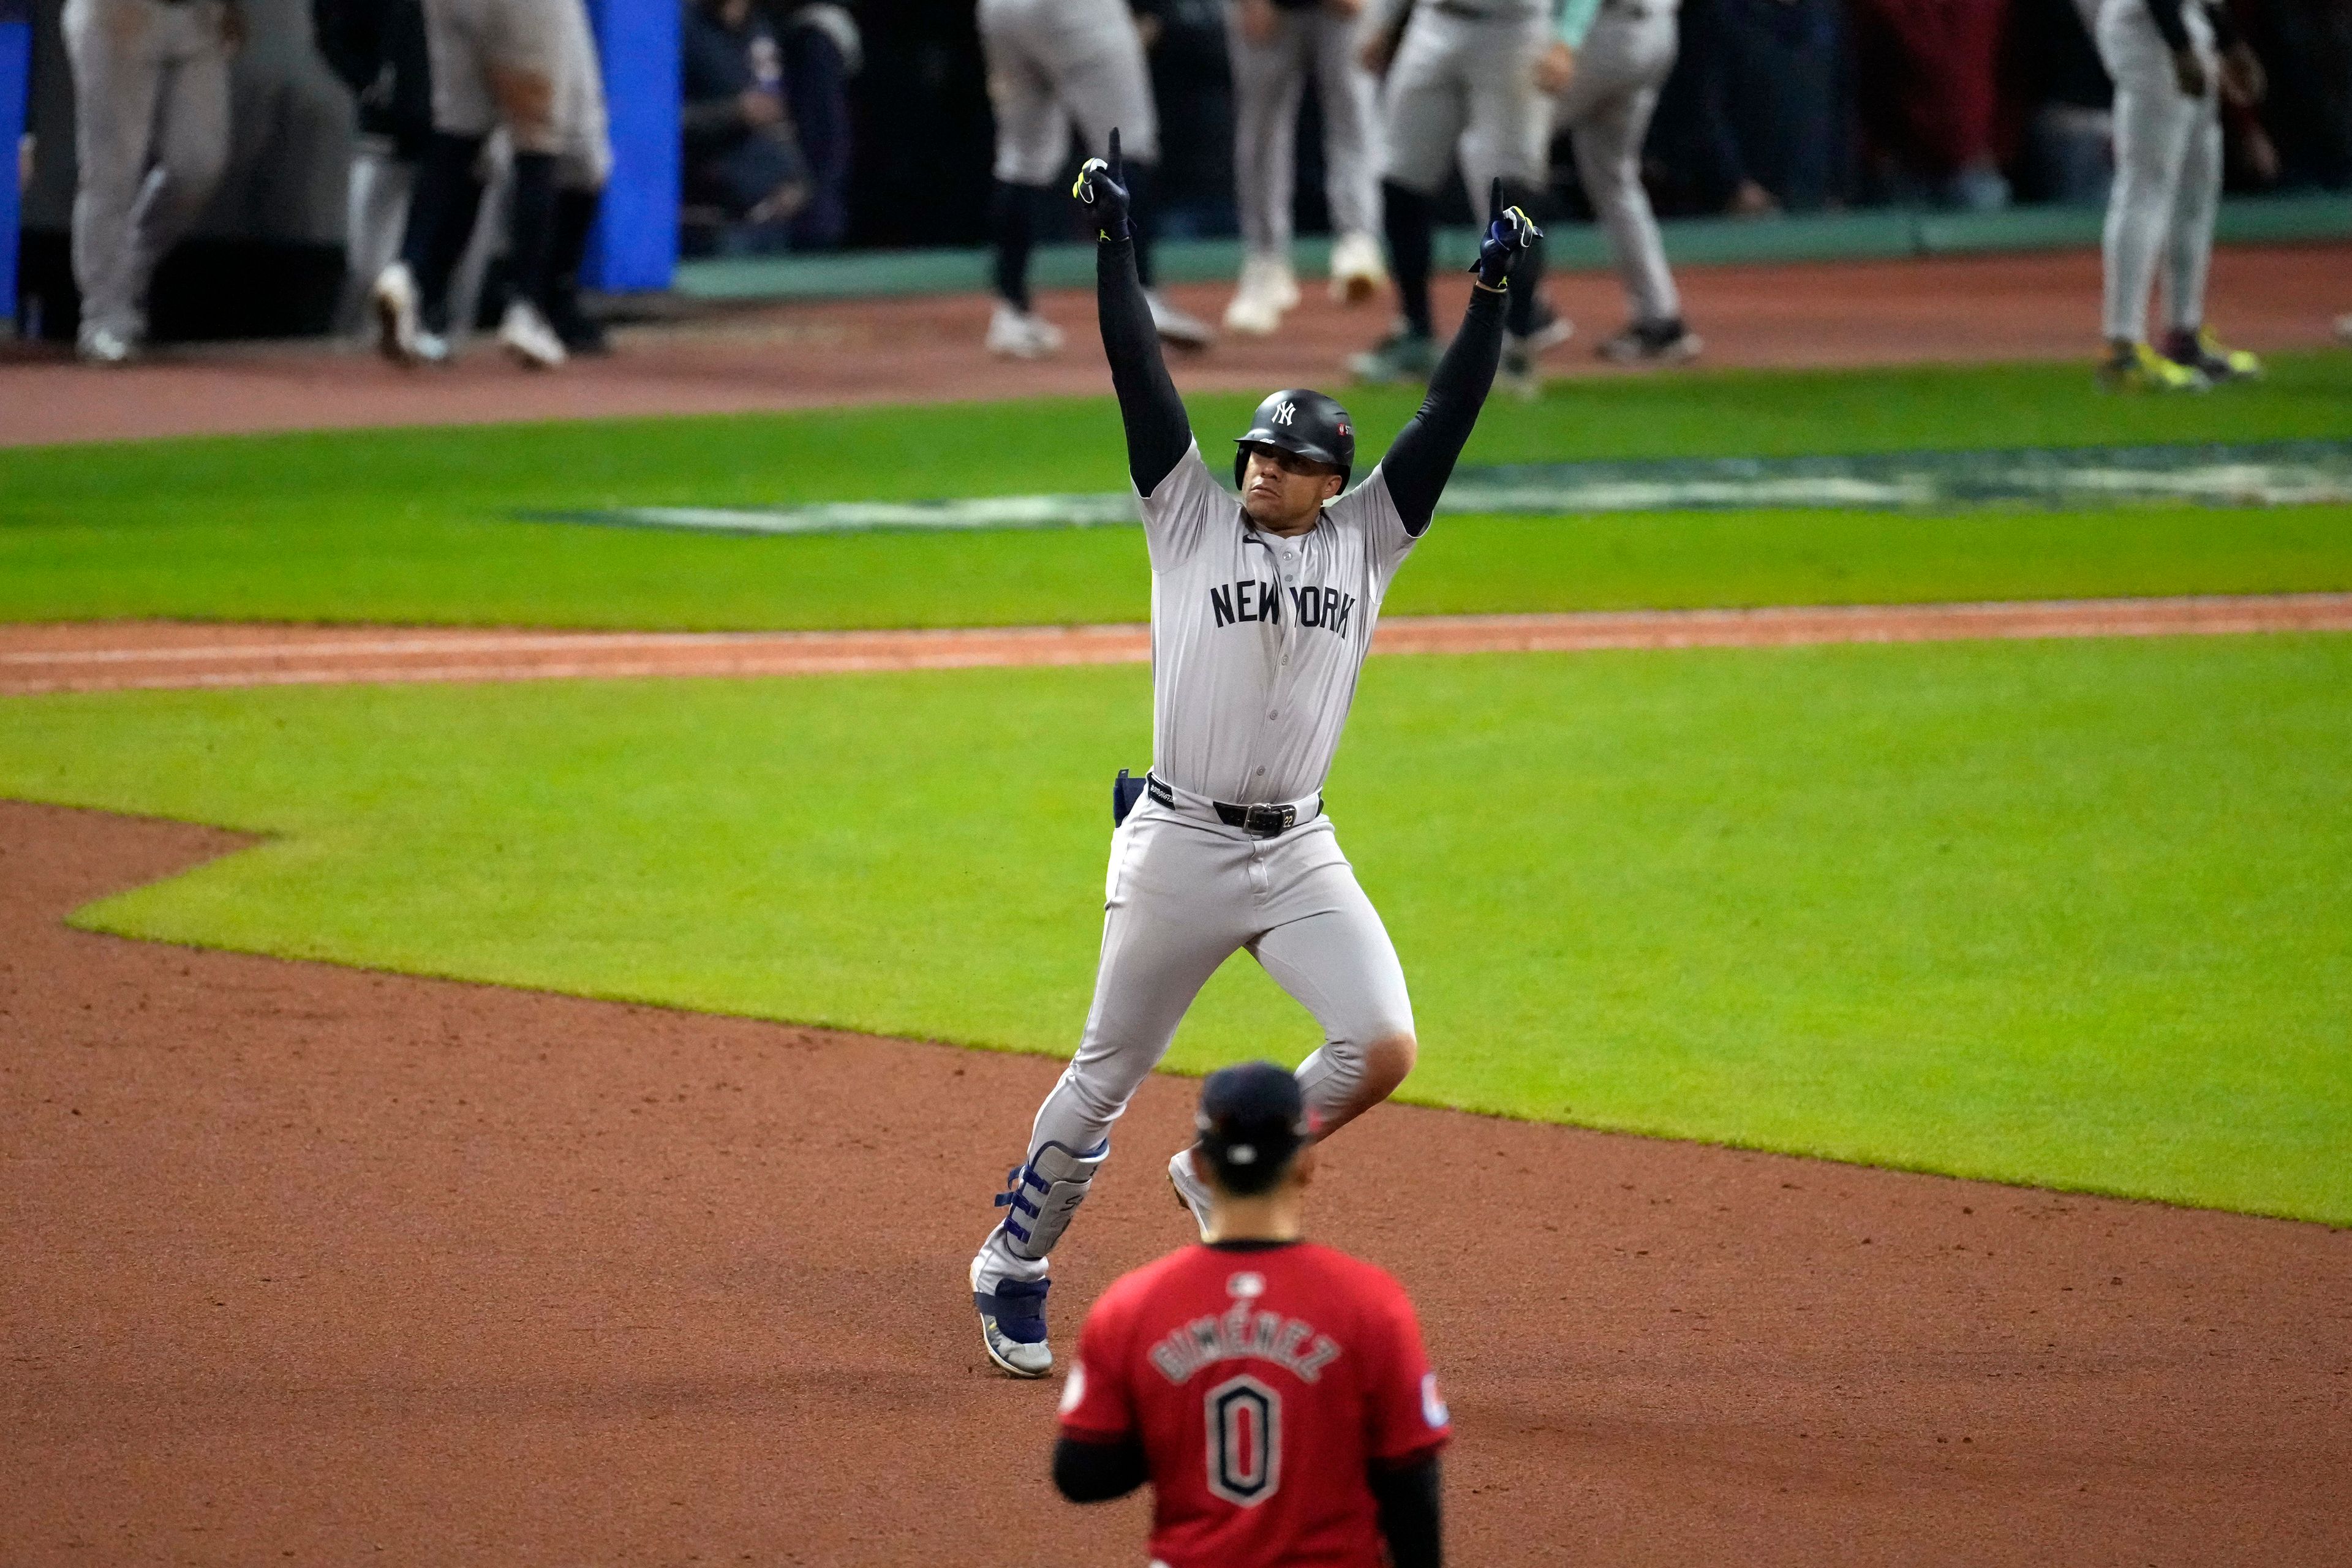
(1158, 433)
(1417, 467)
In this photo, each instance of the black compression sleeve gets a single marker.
(1422, 460)
(1097, 1472)
(2166, 14)
(1156, 429)
(1409, 1513)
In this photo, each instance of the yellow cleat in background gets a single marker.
(2201, 351)
(2142, 369)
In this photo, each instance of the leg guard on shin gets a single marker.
(1041, 1196)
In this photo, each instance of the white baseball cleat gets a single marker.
(1190, 1190)
(1174, 326)
(524, 334)
(1013, 1324)
(399, 333)
(105, 346)
(1015, 333)
(1267, 289)
(1358, 273)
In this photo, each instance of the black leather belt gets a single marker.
(1257, 821)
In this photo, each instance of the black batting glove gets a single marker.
(1102, 189)
(1509, 232)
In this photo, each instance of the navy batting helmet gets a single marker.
(1307, 423)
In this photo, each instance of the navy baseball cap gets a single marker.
(1250, 1121)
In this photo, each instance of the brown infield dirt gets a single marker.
(927, 350)
(109, 656)
(311, 1264)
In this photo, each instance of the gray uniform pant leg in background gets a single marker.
(1268, 81)
(1606, 108)
(583, 125)
(2168, 172)
(1465, 87)
(1051, 62)
(1181, 897)
(150, 130)
(478, 47)
(375, 213)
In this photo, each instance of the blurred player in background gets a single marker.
(1466, 80)
(2172, 60)
(151, 134)
(528, 66)
(1275, 43)
(1051, 62)
(1274, 1392)
(377, 48)
(1614, 56)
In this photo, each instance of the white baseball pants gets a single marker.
(1467, 84)
(1184, 893)
(1268, 81)
(151, 133)
(1606, 108)
(2167, 186)
(1052, 61)
(528, 66)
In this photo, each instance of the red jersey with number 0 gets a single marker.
(1262, 1383)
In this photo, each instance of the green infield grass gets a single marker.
(420, 525)
(2068, 913)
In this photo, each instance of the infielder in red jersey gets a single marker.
(1274, 1392)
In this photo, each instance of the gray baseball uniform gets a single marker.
(2167, 184)
(1268, 80)
(151, 133)
(1257, 642)
(1623, 58)
(475, 44)
(1052, 61)
(1463, 80)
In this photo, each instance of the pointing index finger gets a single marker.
(1118, 165)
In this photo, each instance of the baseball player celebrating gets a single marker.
(1463, 80)
(1274, 44)
(1275, 1393)
(1260, 616)
(2167, 57)
(1050, 62)
(1606, 67)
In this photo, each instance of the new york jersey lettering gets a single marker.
(1257, 639)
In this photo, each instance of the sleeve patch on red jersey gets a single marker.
(1433, 1409)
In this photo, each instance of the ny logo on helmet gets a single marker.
(1282, 415)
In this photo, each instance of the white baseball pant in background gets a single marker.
(1465, 86)
(2168, 188)
(1268, 82)
(1606, 110)
(1052, 61)
(151, 133)
(476, 46)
